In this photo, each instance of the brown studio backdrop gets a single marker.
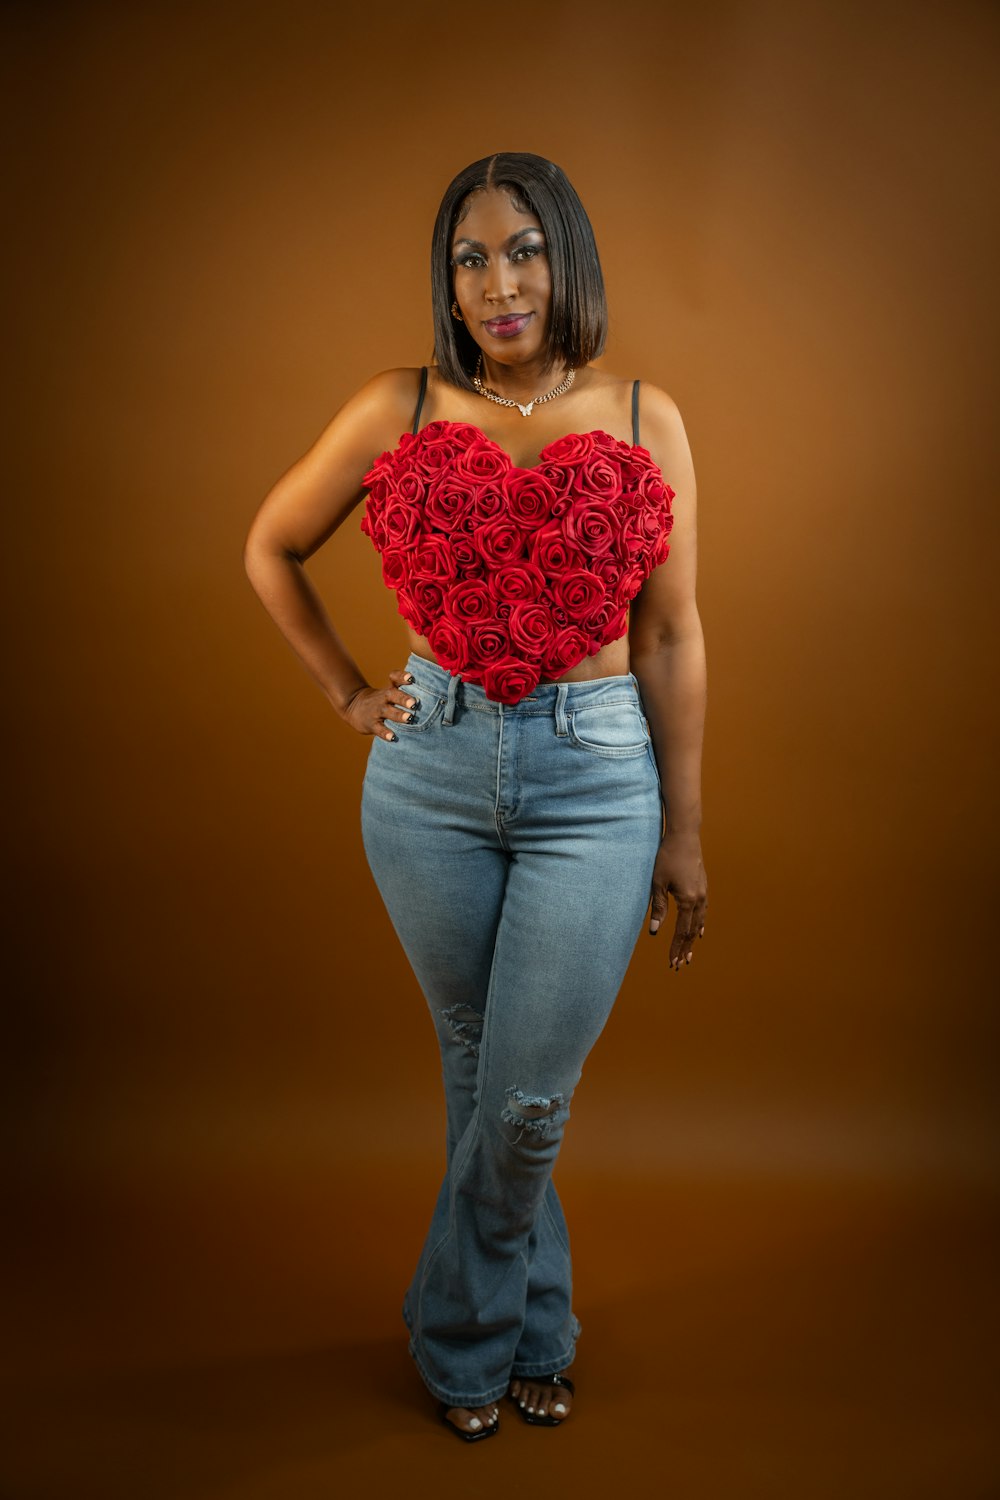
(224, 221)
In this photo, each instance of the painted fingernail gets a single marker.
(689, 957)
(408, 677)
(654, 925)
(407, 718)
(390, 736)
(411, 702)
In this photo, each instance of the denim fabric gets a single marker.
(513, 847)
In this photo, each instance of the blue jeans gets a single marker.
(513, 847)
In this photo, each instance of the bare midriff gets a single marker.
(611, 661)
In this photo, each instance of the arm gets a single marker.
(301, 512)
(667, 651)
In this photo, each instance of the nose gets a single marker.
(501, 283)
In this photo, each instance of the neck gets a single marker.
(521, 382)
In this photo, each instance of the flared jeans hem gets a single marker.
(480, 1398)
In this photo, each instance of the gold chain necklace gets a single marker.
(492, 395)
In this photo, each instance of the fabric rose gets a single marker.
(610, 629)
(448, 503)
(629, 544)
(551, 552)
(467, 559)
(469, 600)
(529, 498)
(395, 566)
(629, 584)
(567, 649)
(514, 581)
(427, 595)
(488, 500)
(439, 444)
(432, 557)
(450, 644)
(589, 527)
(482, 460)
(570, 450)
(410, 610)
(530, 627)
(598, 478)
(401, 521)
(578, 591)
(498, 541)
(608, 569)
(489, 641)
(509, 680)
(559, 480)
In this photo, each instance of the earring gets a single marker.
(455, 312)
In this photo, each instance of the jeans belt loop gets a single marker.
(562, 723)
(449, 707)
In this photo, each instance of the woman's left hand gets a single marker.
(679, 872)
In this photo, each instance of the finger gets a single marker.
(401, 677)
(398, 705)
(658, 910)
(681, 947)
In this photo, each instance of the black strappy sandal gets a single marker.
(531, 1417)
(488, 1429)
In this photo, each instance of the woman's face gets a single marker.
(502, 278)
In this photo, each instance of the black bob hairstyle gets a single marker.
(578, 327)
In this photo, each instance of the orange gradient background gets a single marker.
(222, 1087)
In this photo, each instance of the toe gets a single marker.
(560, 1402)
(469, 1421)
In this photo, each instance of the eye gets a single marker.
(472, 259)
(526, 252)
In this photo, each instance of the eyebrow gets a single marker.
(517, 235)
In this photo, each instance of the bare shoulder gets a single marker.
(383, 407)
(662, 432)
(370, 422)
(659, 417)
(659, 412)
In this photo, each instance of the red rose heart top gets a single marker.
(515, 574)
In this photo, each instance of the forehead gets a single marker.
(490, 215)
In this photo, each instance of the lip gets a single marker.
(509, 325)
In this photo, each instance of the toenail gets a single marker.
(559, 1406)
(475, 1422)
(521, 1403)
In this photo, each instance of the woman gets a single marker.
(534, 774)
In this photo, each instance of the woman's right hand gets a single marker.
(371, 709)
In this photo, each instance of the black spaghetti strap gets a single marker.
(420, 398)
(635, 414)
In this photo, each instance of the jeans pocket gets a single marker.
(426, 714)
(610, 729)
